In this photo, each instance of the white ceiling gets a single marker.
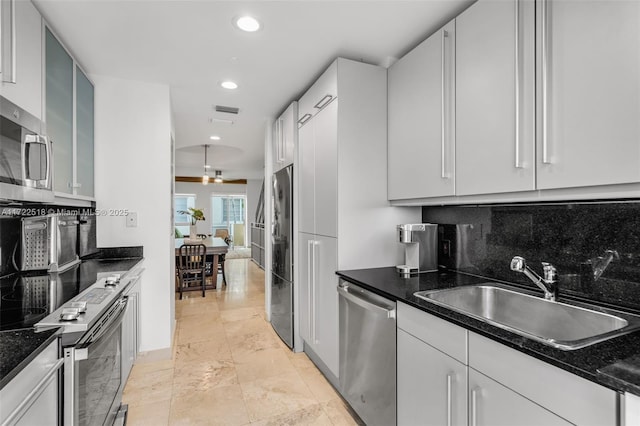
(192, 46)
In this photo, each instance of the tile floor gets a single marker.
(230, 368)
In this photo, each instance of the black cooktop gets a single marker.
(26, 298)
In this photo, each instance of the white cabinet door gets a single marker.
(24, 86)
(589, 93)
(284, 133)
(325, 259)
(304, 285)
(306, 178)
(420, 118)
(318, 174)
(492, 404)
(495, 147)
(326, 170)
(432, 386)
(318, 297)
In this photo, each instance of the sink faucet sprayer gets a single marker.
(547, 284)
(600, 263)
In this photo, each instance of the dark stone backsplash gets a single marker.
(573, 237)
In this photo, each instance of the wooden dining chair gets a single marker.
(192, 266)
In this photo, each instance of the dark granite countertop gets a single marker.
(18, 348)
(21, 345)
(614, 363)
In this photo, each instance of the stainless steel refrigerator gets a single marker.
(282, 254)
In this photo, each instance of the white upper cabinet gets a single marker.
(284, 137)
(21, 40)
(421, 120)
(495, 147)
(588, 84)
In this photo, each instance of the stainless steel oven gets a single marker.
(93, 371)
(26, 165)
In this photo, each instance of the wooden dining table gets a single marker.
(215, 247)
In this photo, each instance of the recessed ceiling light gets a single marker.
(248, 23)
(229, 85)
(214, 138)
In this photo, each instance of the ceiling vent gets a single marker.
(227, 109)
(213, 120)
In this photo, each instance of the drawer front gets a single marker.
(19, 387)
(576, 399)
(441, 334)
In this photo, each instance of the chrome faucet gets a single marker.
(548, 284)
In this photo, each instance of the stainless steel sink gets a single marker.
(556, 324)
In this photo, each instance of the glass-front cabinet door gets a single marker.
(59, 111)
(84, 134)
(70, 120)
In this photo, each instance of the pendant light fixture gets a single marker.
(218, 178)
(205, 176)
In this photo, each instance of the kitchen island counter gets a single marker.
(592, 362)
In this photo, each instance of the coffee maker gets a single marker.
(420, 248)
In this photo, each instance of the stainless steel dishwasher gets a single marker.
(368, 354)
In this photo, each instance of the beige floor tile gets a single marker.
(262, 364)
(152, 414)
(266, 398)
(218, 406)
(299, 360)
(319, 386)
(240, 314)
(200, 331)
(229, 367)
(143, 368)
(211, 350)
(339, 414)
(150, 387)
(313, 415)
(203, 376)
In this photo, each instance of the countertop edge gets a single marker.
(22, 364)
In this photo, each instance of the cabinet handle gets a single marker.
(12, 22)
(544, 76)
(444, 174)
(310, 298)
(474, 406)
(281, 129)
(449, 403)
(323, 102)
(304, 119)
(315, 244)
(518, 163)
(34, 394)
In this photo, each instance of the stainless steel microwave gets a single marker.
(26, 157)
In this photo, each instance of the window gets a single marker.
(182, 202)
(229, 212)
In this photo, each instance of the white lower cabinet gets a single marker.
(432, 386)
(131, 327)
(450, 376)
(31, 398)
(319, 297)
(491, 404)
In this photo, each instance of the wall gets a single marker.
(253, 196)
(133, 172)
(574, 237)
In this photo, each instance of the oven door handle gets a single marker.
(112, 319)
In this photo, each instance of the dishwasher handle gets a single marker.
(343, 291)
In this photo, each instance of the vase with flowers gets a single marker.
(194, 215)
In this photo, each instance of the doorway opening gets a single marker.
(229, 211)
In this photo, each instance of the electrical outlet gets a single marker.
(132, 220)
